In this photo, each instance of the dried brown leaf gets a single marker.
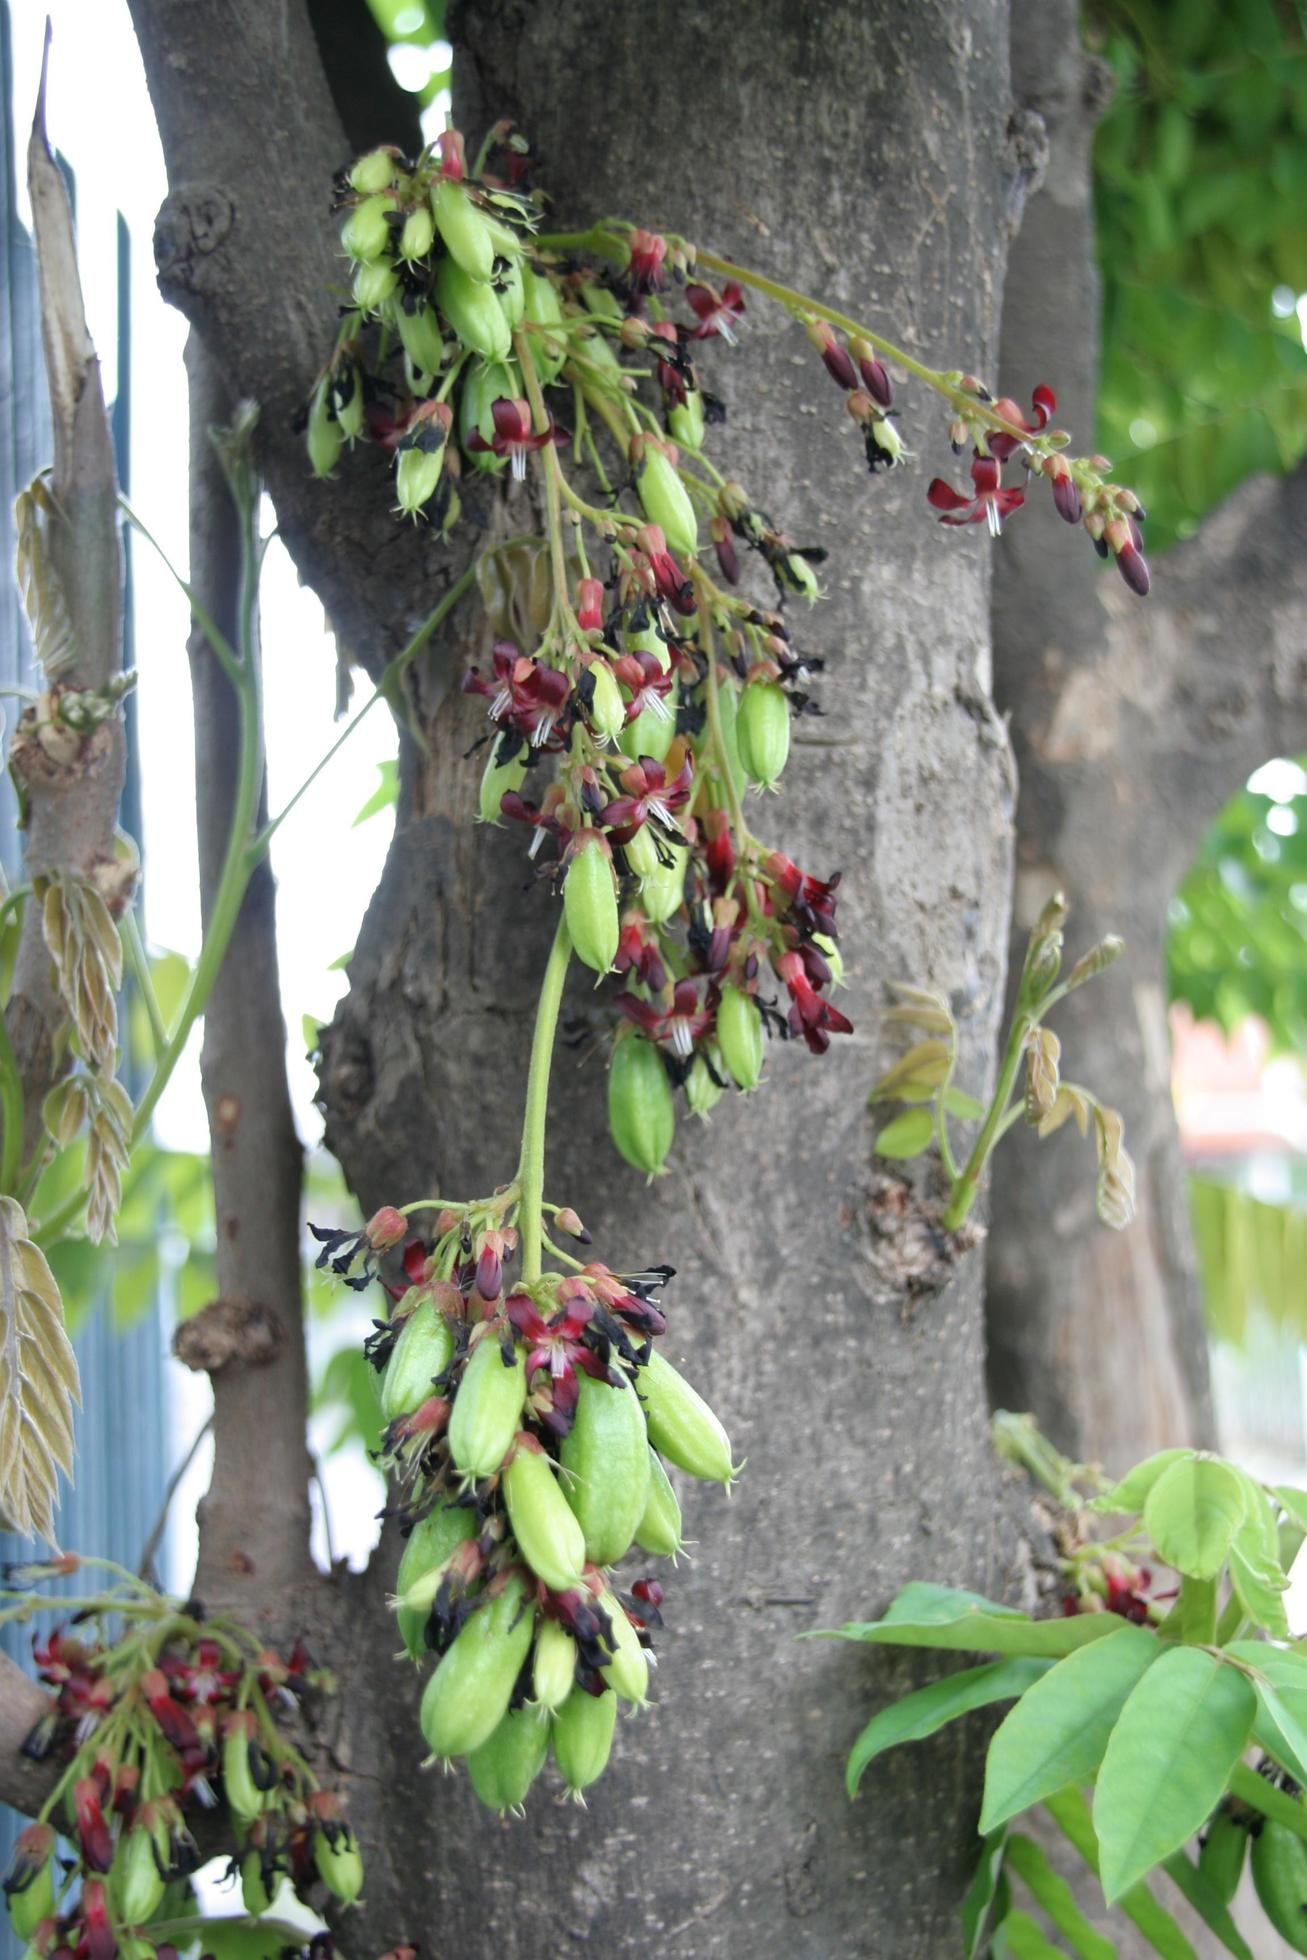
(38, 1381)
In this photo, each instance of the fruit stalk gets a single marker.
(531, 1164)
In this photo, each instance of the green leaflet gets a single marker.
(1192, 1513)
(1054, 1896)
(907, 1135)
(1070, 1813)
(1167, 1761)
(963, 1622)
(1020, 1938)
(975, 1911)
(921, 1714)
(1211, 1910)
(1059, 1729)
(1128, 1497)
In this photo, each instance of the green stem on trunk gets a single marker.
(966, 1187)
(531, 1164)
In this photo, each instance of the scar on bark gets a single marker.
(228, 1330)
(912, 1249)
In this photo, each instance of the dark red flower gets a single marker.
(670, 581)
(514, 436)
(680, 1024)
(836, 358)
(92, 1831)
(650, 798)
(715, 313)
(644, 273)
(988, 503)
(529, 696)
(557, 1347)
(810, 1015)
(998, 442)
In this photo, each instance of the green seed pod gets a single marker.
(681, 1425)
(504, 1767)
(498, 779)
(473, 312)
(662, 890)
(1220, 1862)
(466, 235)
(374, 172)
(627, 1672)
(419, 231)
(419, 333)
(365, 233)
(417, 472)
(583, 1738)
(607, 714)
(325, 440)
(244, 1798)
(136, 1883)
(256, 1895)
(548, 352)
(650, 733)
(487, 383)
(548, 1535)
(686, 420)
(1279, 1862)
(659, 1530)
(424, 1349)
(702, 1091)
(468, 1695)
(553, 1669)
(336, 1855)
(666, 501)
(511, 294)
(641, 1113)
(29, 1882)
(373, 285)
(430, 1544)
(762, 730)
(590, 902)
(739, 1036)
(606, 1455)
(487, 1409)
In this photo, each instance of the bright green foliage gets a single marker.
(1201, 180)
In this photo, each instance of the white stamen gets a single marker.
(994, 518)
(501, 704)
(536, 842)
(518, 467)
(682, 1039)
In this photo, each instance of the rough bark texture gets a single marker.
(254, 1520)
(1133, 724)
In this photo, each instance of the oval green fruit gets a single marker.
(504, 1767)
(553, 1667)
(659, 1529)
(583, 1737)
(543, 309)
(590, 902)
(1221, 1859)
(463, 230)
(681, 1425)
(739, 1036)
(473, 312)
(662, 890)
(423, 1349)
(641, 1112)
(431, 1541)
(762, 730)
(666, 502)
(547, 1533)
(487, 1408)
(499, 778)
(627, 1669)
(1279, 1861)
(606, 1456)
(468, 1695)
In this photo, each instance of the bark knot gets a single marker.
(192, 223)
(228, 1329)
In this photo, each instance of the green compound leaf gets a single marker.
(962, 1622)
(1059, 1729)
(1128, 1497)
(1192, 1513)
(1168, 1761)
(921, 1714)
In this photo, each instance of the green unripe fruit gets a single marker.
(365, 233)
(1279, 1861)
(627, 1671)
(465, 233)
(244, 1798)
(416, 238)
(374, 172)
(482, 388)
(373, 285)
(511, 294)
(666, 501)
(325, 440)
(762, 730)
(468, 1695)
(650, 733)
(606, 1456)
(553, 1669)
(419, 333)
(499, 778)
(336, 1855)
(1220, 1862)
(607, 713)
(424, 1349)
(548, 351)
(487, 1409)
(702, 1091)
(802, 577)
(649, 640)
(681, 1425)
(430, 1544)
(686, 420)
(346, 390)
(548, 1536)
(641, 1113)
(728, 715)
(642, 853)
(662, 890)
(473, 312)
(739, 1036)
(659, 1529)
(256, 1895)
(417, 473)
(598, 300)
(504, 1768)
(583, 1738)
(136, 1882)
(590, 902)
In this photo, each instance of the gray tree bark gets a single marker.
(1133, 724)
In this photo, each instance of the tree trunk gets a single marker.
(723, 1827)
(1132, 725)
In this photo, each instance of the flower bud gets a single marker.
(374, 172)
(834, 354)
(663, 497)
(385, 1228)
(590, 901)
(641, 1113)
(739, 1035)
(686, 420)
(875, 376)
(607, 711)
(762, 730)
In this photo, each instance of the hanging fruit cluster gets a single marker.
(158, 1713)
(525, 1426)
